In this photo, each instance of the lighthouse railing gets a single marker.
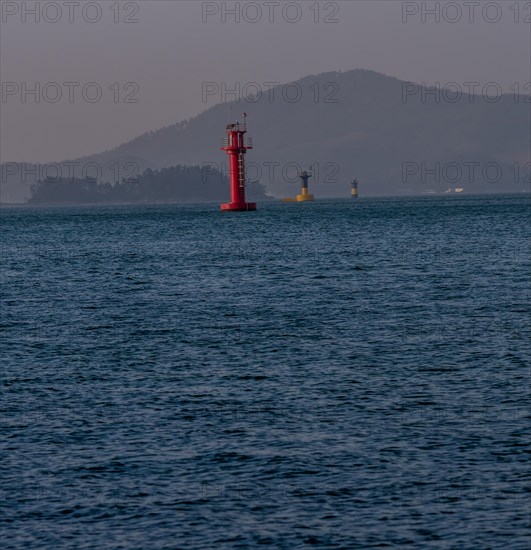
(247, 143)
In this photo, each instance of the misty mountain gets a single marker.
(395, 137)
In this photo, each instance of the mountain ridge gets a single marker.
(375, 127)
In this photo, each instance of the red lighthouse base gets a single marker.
(238, 206)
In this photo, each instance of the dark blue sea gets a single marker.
(339, 374)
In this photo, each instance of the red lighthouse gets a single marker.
(236, 146)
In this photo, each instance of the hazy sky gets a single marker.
(177, 46)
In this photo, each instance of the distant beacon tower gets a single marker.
(354, 192)
(236, 146)
(305, 196)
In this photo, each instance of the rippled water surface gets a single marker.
(336, 374)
